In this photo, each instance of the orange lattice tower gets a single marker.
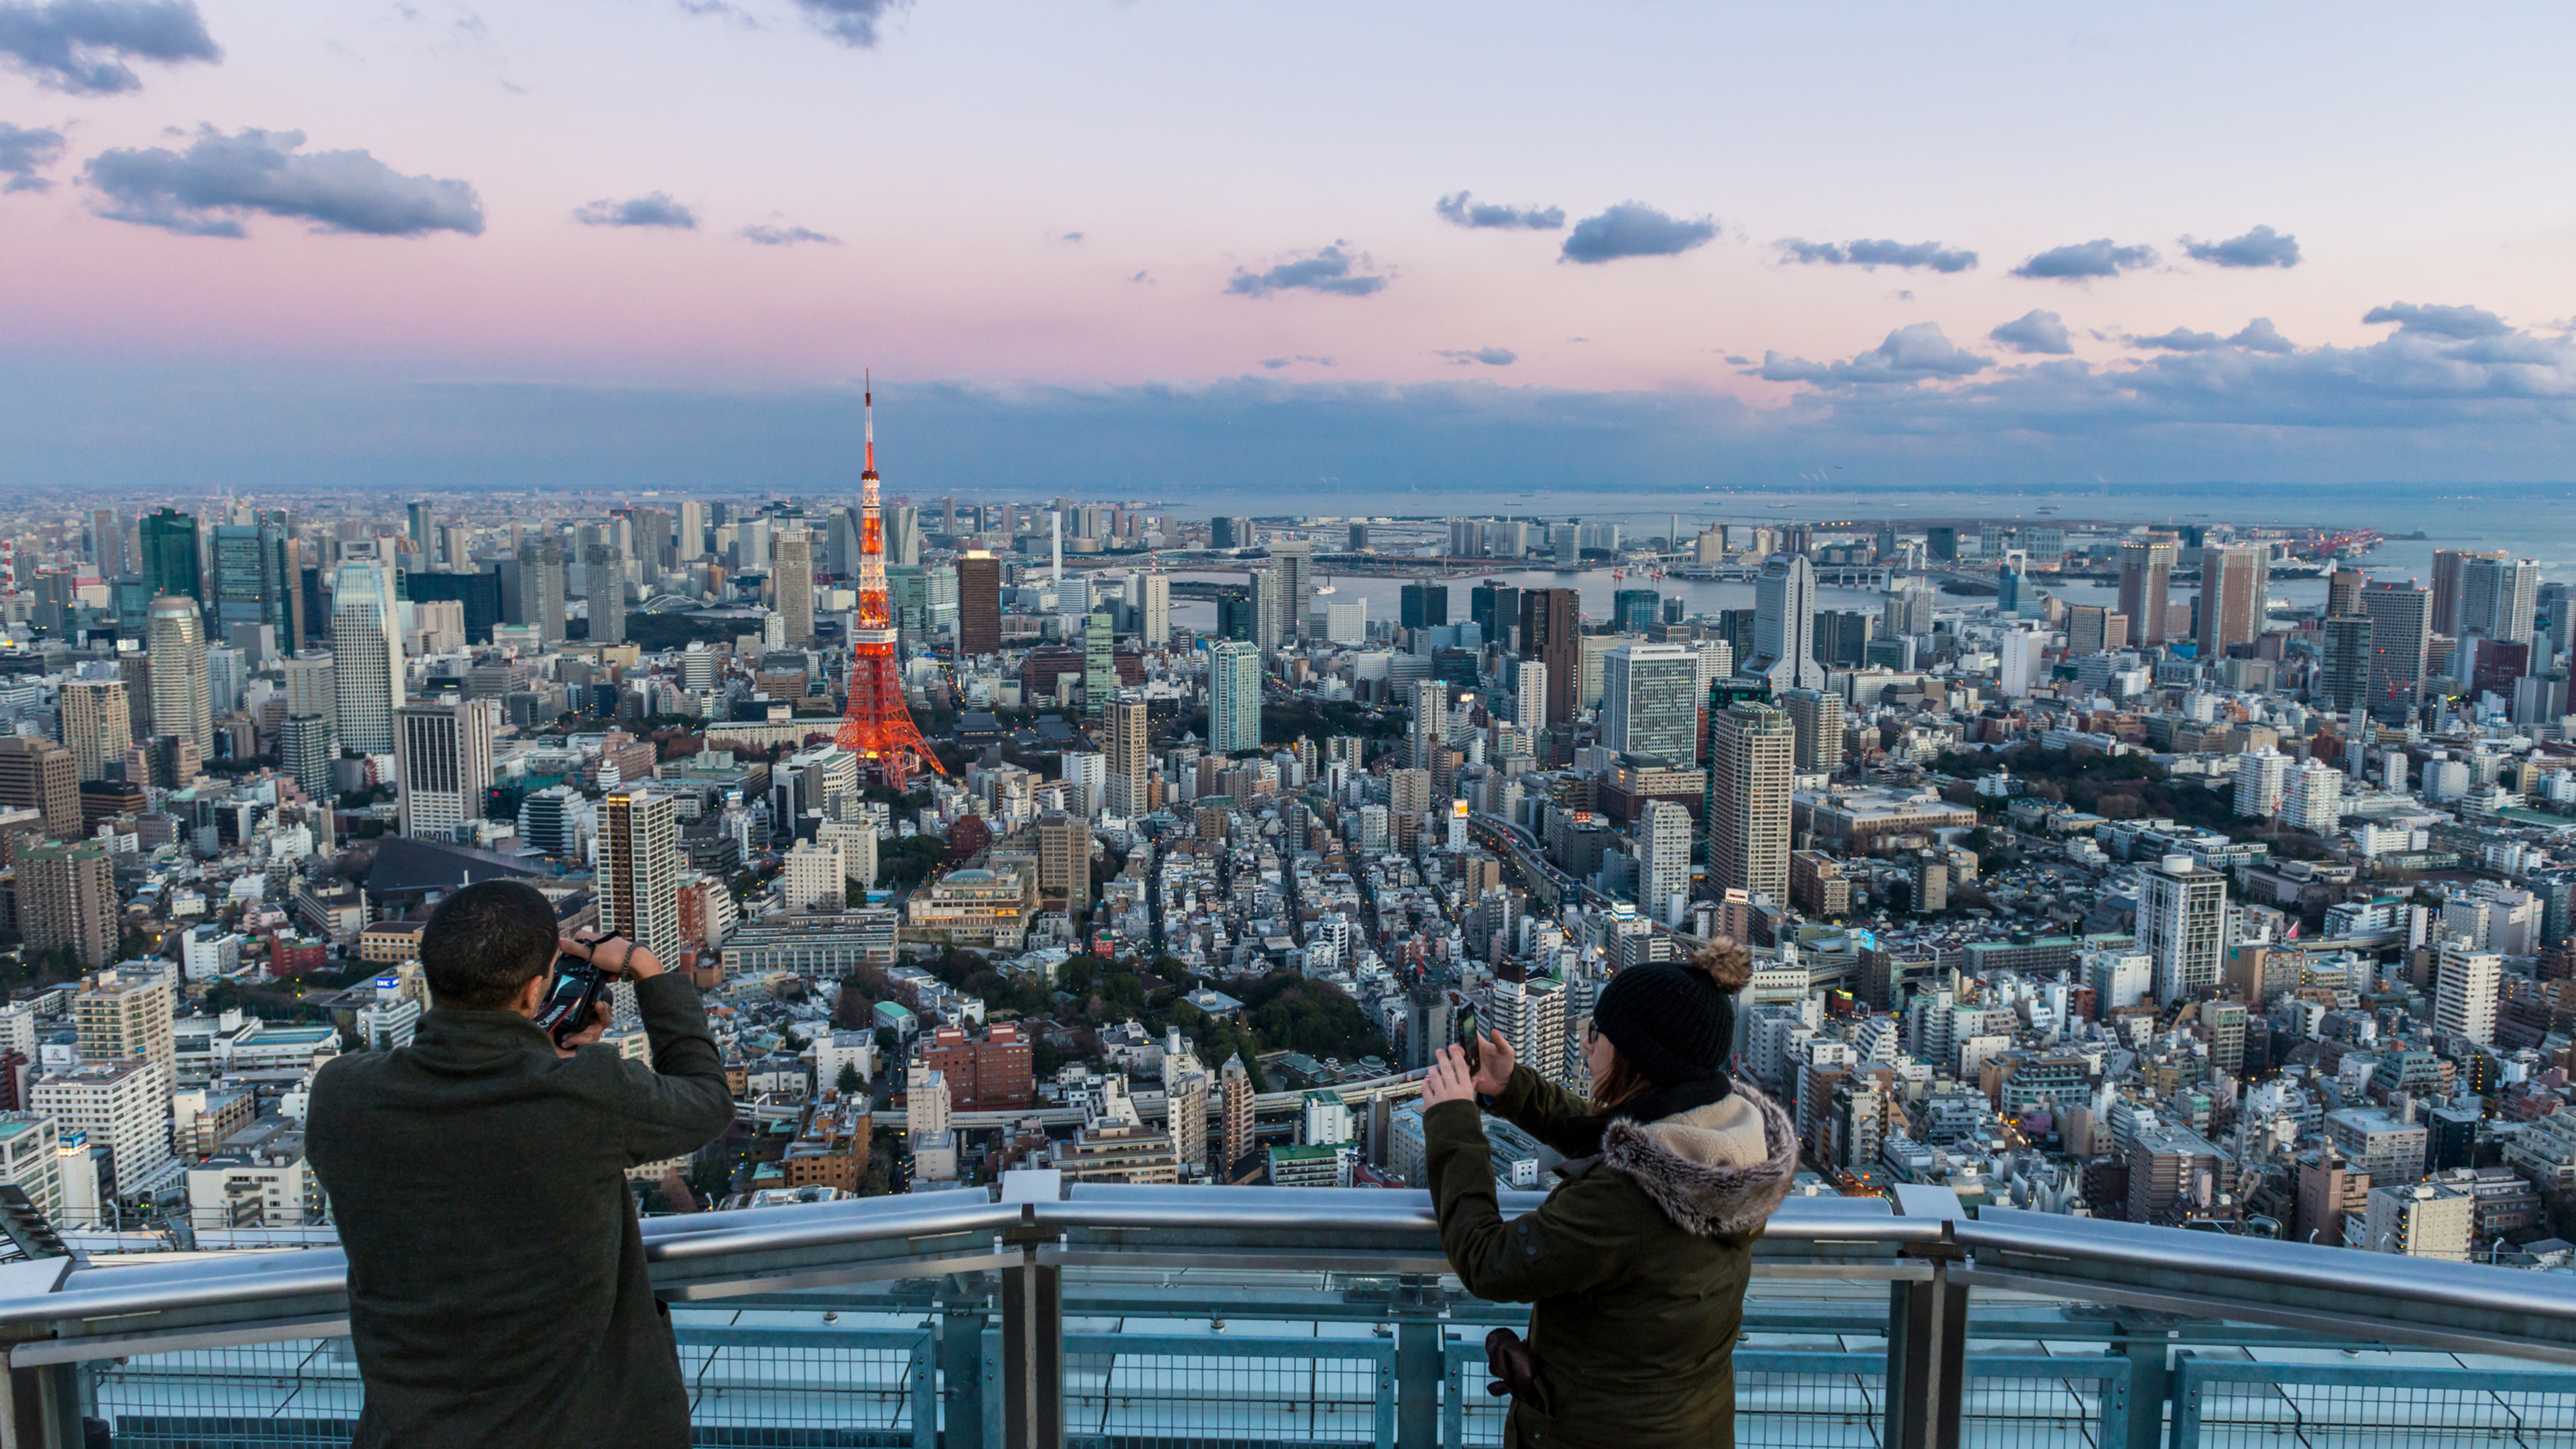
(877, 727)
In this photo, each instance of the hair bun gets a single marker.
(1726, 963)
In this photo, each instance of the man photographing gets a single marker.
(497, 1291)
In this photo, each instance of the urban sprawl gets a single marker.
(2185, 906)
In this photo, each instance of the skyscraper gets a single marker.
(2499, 598)
(1234, 697)
(979, 604)
(1125, 743)
(98, 725)
(1294, 561)
(67, 899)
(443, 756)
(1552, 634)
(639, 870)
(1496, 606)
(541, 586)
(2091, 629)
(367, 657)
(2182, 926)
(182, 699)
(1154, 609)
(1632, 611)
(2401, 638)
(1234, 1097)
(1423, 605)
(1784, 625)
(169, 564)
(1429, 730)
(39, 775)
(2234, 586)
(2146, 575)
(1099, 665)
(1529, 698)
(1751, 761)
(1816, 722)
(2343, 592)
(107, 541)
(2344, 673)
(1270, 626)
(791, 577)
(1648, 704)
(1663, 861)
(2449, 567)
(255, 580)
(603, 584)
(306, 746)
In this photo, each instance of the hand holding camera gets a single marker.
(575, 1012)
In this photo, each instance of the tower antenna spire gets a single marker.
(867, 381)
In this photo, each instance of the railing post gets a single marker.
(961, 1364)
(2145, 1337)
(1418, 1365)
(44, 1408)
(1032, 1321)
(1927, 1332)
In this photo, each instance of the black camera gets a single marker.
(1463, 1027)
(572, 1004)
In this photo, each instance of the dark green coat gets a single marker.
(497, 1291)
(1636, 1263)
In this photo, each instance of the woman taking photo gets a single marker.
(1637, 1262)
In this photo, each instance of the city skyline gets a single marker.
(477, 250)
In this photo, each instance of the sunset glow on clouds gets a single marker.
(2040, 232)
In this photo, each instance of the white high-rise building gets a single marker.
(2182, 926)
(816, 876)
(2464, 991)
(2018, 662)
(639, 869)
(1752, 759)
(2499, 598)
(1430, 727)
(1648, 703)
(122, 1104)
(2314, 800)
(443, 758)
(1154, 609)
(1529, 698)
(1234, 697)
(2119, 979)
(1663, 862)
(1530, 1014)
(2261, 777)
(98, 725)
(366, 655)
(182, 698)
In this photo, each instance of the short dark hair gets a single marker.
(484, 942)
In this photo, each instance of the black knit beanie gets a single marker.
(1675, 1023)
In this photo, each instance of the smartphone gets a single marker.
(573, 1002)
(1464, 1024)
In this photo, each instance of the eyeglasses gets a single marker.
(1591, 1031)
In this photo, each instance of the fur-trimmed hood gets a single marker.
(1716, 1171)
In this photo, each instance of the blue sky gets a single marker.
(1181, 248)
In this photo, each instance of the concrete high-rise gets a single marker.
(1234, 697)
(1552, 634)
(1154, 609)
(107, 541)
(639, 869)
(257, 580)
(791, 580)
(306, 746)
(1429, 729)
(2401, 639)
(311, 684)
(979, 604)
(1099, 665)
(2234, 586)
(1293, 559)
(603, 586)
(1816, 723)
(2499, 598)
(182, 698)
(2343, 680)
(39, 775)
(2343, 592)
(127, 1015)
(67, 900)
(1234, 1096)
(1752, 751)
(1423, 605)
(2182, 926)
(98, 725)
(2450, 565)
(1664, 861)
(1784, 625)
(1126, 746)
(1649, 706)
(367, 657)
(2146, 579)
(443, 756)
(2465, 990)
(541, 586)
(1529, 698)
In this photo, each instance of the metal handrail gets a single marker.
(2312, 1267)
(107, 1289)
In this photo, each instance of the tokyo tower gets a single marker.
(878, 728)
